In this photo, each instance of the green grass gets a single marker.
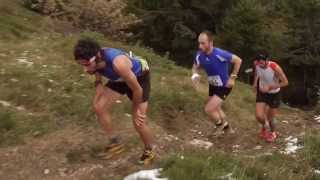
(55, 93)
(14, 126)
(18, 23)
(7, 123)
(207, 165)
(198, 165)
(312, 150)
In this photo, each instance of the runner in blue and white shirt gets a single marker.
(216, 63)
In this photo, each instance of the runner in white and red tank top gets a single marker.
(269, 79)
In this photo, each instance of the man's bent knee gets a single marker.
(260, 116)
(100, 108)
(209, 110)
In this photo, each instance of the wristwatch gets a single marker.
(234, 76)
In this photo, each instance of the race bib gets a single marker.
(143, 62)
(215, 81)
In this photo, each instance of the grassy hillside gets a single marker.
(47, 121)
(16, 22)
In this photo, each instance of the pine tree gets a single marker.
(243, 31)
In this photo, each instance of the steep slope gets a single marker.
(48, 129)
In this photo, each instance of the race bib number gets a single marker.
(215, 81)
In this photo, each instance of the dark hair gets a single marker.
(262, 55)
(86, 48)
(209, 34)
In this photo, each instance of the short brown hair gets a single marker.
(209, 34)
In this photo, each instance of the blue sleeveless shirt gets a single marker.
(109, 55)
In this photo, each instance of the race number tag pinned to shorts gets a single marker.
(143, 62)
(215, 81)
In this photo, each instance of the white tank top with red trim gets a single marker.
(267, 76)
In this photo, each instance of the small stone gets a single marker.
(46, 171)
(20, 108)
(5, 103)
(63, 172)
(194, 131)
(128, 115)
(14, 80)
(201, 143)
(236, 146)
(316, 171)
(36, 133)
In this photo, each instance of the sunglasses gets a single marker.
(261, 62)
(87, 63)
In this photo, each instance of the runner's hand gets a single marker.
(231, 82)
(273, 86)
(264, 89)
(139, 118)
(195, 80)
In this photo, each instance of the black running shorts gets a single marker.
(123, 88)
(272, 100)
(221, 92)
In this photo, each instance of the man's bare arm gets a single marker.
(237, 64)
(122, 66)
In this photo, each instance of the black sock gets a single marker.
(226, 125)
(219, 123)
(114, 140)
(148, 148)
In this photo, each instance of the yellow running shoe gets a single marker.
(147, 157)
(111, 151)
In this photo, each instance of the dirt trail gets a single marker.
(67, 153)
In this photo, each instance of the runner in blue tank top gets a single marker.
(216, 63)
(127, 75)
(109, 55)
